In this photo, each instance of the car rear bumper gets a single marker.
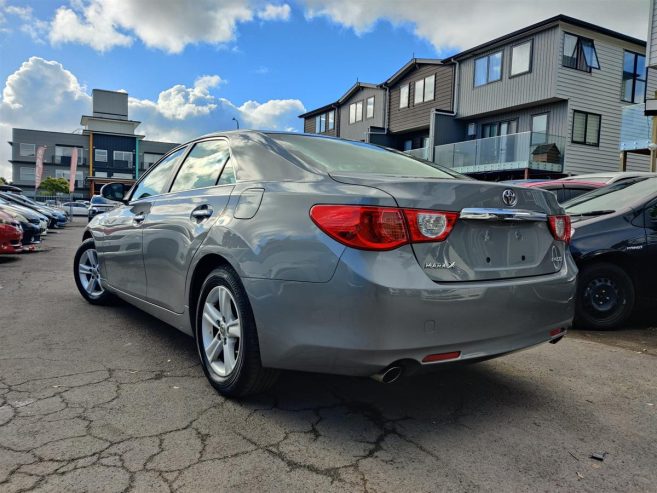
(381, 308)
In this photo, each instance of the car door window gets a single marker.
(156, 180)
(202, 166)
(227, 175)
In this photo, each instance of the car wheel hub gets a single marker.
(602, 296)
(221, 331)
(89, 273)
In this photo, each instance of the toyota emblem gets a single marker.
(509, 197)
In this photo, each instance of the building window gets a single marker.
(359, 111)
(424, 89)
(498, 128)
(521, 58)
(488, 69)
(369, 108)
(318, 127)
(634, 77)
(472, 130)
(27, 150)
(123, 156)
(403, 96)
(419, 91)
(331, 120)
(27, 174)
(65, 173)
(100, 155)
(429, 87)
(63, 154)
(150, 159)
(356, 112)
(586, 128)
(539, 129)
(579, 53)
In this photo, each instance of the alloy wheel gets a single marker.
(89, 273)
(221, 331)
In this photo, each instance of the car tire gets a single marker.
(88, 279)
(227, 338)
(605, 297)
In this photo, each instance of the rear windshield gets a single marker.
(339, 156)
(613, 197)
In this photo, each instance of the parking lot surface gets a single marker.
(111, 399)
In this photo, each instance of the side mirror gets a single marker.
(114, 191)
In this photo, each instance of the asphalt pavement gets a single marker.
(111, 399)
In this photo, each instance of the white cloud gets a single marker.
(91, 27)
(455, 24)
(29, 24)
(275, 12)
(44, 95)
(169, 25)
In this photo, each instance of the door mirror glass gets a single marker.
(114, 191)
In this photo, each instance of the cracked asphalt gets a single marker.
(111, 399)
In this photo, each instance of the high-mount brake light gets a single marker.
(561, 228)
(381, 228)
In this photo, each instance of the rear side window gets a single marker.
(158, 177)
(339, 156)
(227, 175)
(202, 166)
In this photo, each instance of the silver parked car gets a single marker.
(287, 251)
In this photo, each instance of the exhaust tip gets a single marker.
(389, 375)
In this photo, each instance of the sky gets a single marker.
(191, 66)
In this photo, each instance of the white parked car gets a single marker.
(75, 208)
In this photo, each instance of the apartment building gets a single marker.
(638, 125)
(108, 148)
(546, 100)
(357, 113)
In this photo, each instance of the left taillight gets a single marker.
(561, 228)
(381, 228)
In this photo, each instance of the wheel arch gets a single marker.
(86, 235)
(613, 257)
(202, 268)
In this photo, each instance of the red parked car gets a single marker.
(11, 234)
(565, 189)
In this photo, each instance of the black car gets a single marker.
(614, 244)
(100, 204)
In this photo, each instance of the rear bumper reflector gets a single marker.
(432, 358)
(556, 332)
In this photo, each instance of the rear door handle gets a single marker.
(139, 218)
(202, 212)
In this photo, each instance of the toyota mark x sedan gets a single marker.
(288, 251)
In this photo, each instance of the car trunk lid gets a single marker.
(492, 238)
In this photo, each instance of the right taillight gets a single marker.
(560, 228)
(381, 228)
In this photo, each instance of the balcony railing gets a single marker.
(524, 150)
(422, 152)
(636, 128)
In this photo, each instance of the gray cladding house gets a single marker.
(108, 148)
(546, 100)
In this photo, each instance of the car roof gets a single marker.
(611, 175)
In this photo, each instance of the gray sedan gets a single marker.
(287, 251)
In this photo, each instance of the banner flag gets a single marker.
(38, 172)
(74, 170)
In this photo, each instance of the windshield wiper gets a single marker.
(595, 213)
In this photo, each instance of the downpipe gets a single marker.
(388, 375)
